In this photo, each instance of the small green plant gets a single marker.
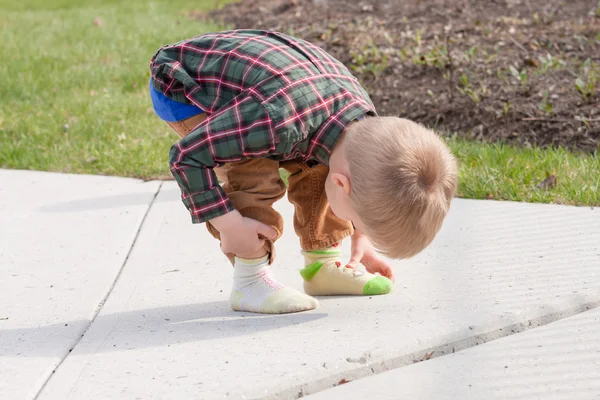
(464, 80)
(370, 59)
(586, 83)
(521, 76)
(471, 54)
(585, 121)
(545, 105)
(466, 89)
(550, 63)
(500, 73)
(585, 88)
(418, 38)
(436, 57)
(404, 55)
(506, 108)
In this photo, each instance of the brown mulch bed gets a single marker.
(520, 71)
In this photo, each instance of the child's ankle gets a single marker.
(251, 257)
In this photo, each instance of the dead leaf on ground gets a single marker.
(98, 21)
(343, 381)
(428, 355)
(548, 183)
(530, 62)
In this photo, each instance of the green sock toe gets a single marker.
(378, 285)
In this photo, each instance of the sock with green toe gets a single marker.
(256, 290)
(325, 275)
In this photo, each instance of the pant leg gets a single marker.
(314, 222)
(183, 128)
(251, 185)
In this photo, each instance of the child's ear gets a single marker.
(341, 181)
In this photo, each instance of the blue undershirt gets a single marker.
(171, 110)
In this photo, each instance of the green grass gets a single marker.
(74, 93)
(506, 173)
(74, 99)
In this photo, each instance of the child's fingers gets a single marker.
(357, 255)
(266, 231)
(380, 267)
(388, 273)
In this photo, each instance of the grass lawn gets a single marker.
(493, 171)
(74, 99)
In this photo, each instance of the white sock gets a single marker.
(256, 290)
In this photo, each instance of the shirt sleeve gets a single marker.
(240, 130)
(200, 190)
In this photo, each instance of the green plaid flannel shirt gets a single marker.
(265, 94)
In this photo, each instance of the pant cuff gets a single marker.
(321, 244)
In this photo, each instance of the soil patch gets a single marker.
(520, 71)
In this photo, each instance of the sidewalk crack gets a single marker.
(106, 296)
(423, 355)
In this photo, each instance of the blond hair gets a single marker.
(402, 179)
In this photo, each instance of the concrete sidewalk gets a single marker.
(557, 361)
(117, 261)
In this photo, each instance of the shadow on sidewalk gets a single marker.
(104, 202)
(153, 327)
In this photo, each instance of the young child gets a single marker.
(246, 103)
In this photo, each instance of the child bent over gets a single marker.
(248, 102)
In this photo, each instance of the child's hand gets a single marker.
(240, 235)
(362, 252)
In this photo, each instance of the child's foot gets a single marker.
(255, 290)
(325, 275)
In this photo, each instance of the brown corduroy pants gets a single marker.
(254, 185)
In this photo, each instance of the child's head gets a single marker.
(394, 179)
